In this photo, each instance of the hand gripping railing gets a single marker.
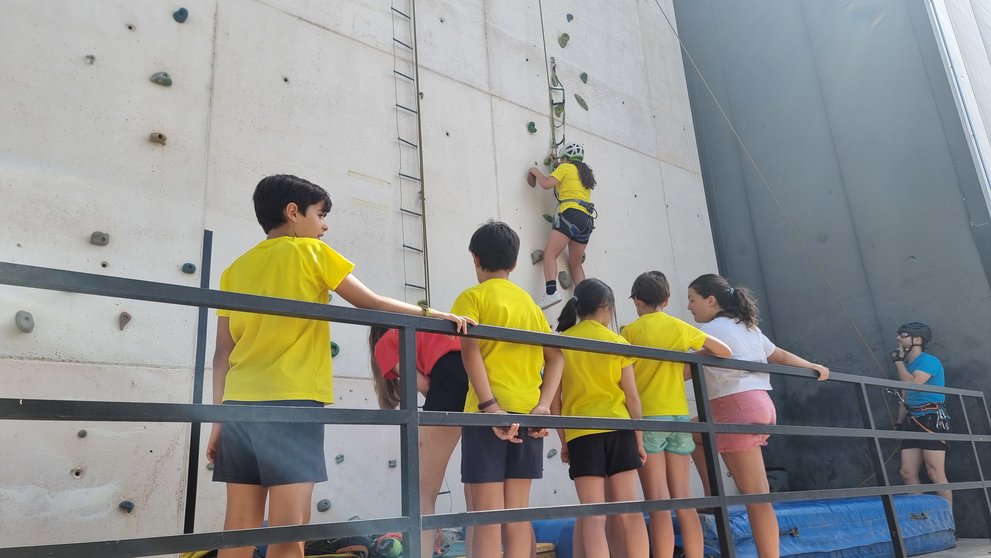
(411, 522)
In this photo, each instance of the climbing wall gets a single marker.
(91, 144)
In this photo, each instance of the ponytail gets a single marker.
(387, 390)
(585, 174)
(738, 303)
(590, 295)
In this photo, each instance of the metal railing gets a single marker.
(411, 522)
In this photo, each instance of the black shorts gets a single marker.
(271, 453)
(486, 458)
(604, 454)
(574, 224)
(448, 384)
(929, 422)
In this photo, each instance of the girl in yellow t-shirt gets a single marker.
(572, 182)
(603, 463)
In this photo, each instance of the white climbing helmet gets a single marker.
(574, 151)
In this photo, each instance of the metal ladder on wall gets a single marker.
(408, 136)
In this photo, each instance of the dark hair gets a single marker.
(496, 246)
(590, 295)
(651, 287)
(386, 390)
(585, 174)
(738, 303)
(274, 193)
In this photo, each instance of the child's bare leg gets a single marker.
(592, 490)
(519, 535)
(436, 446)
(245, 510)
(653, 478)
(747, 468)
(556, 242)
(623, 488)
(469, 531)
(289, 504)
(698, 456)
(679, 485)
(575, 252)
(487, 538)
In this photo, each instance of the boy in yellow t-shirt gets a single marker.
(498, 464)
(662, 391)
(270, 360)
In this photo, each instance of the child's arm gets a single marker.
(556, 410)
(422, 383)
(781, 356)
(221, 365)
(471, 355)
(355, 292)
(629, 385)
(716, 347)
(549, 386)
(545, 181)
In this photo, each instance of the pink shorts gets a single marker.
(747, 407)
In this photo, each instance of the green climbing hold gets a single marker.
(339, 458)
(532, 127)
(563, 39)
(547, 161)
(569, 17)
(548, 218)
(536, 257)
(581, 102)
(584, 77)
(334, 349)
(559, 109)
(162, 78)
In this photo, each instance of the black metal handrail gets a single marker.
(408, 418)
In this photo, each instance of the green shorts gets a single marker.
(680, 443)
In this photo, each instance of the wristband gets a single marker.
(426, 309)
(486, 404)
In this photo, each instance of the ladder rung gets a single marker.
(408, 47)
(413, 248)
(400, 74)
(415, 286)
(404, 175)
(410, 212)
(409, 143)
(401, 13)
(405, 108)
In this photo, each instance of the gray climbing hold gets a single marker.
(180, 15)
(563, 39)
(77, 473)
(581, 102)
(123, 320)
(569, 17)
(335, 349)
(323, 505)
(548, 218)
(551, 453)
(127, 506)
(24, 321)
(339, 458)
(189, 268)
(210, 466)
(82, 433)
(536, 257)
(564, 280)
(158, 137)
(162, 78)
(531, 127)
(584, 77)
(90, 59)
(583, 257)
(393, 463)
(99, 238)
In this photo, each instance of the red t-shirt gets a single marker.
(429, 348)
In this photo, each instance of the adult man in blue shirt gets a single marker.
(922, 411)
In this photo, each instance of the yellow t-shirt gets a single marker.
(570, 187)
(590, 386)
(513, 369)
(661, 383)
(274, 357)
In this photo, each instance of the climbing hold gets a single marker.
(547, 161)
(569, 17)
(90, 59)
(563, 39)
(532, 127)
(99, 238)
(24, 321)
(323, 505)
(158, 137)
(189, 268)
(558, 109)
(339, 458)
(548, 218)
(334, 349)
(82, 434)
(127, 506)
(564, 280)
(123, 320)
(581, 102)
(209, 466)
(536, 257)
(392, 463)
(77, 473)
(180, 15)
(584, 77)
(531, 180)
(551, 453)
(583, 258)
(162, 78)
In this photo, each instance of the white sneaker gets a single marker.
(549, 300)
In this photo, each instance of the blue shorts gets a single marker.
(486, 458)
(679, 443)
(271, 453)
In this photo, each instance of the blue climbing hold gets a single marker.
(180, 15)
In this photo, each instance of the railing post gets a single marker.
(977, 460)
(199, 370)
(877, 458)
(409, 440)
(727, 547)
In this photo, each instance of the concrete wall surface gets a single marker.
(303, 87)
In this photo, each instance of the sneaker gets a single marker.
(549, 300)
